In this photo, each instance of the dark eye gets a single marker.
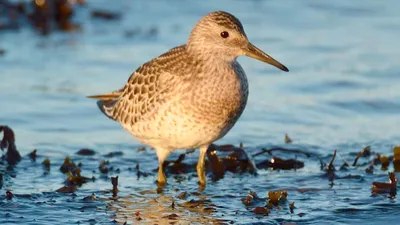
(224, 34)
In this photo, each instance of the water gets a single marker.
(341, 93)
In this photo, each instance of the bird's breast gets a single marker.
(221, 96)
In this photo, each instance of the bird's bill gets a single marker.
(252, 51)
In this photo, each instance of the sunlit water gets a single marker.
(342, 92)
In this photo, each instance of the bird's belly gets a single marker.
(185, 126)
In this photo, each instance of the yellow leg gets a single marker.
(162, 154)
(201, 173)
(162, 179)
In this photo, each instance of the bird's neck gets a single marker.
(211, 56)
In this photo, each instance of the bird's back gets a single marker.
(145, 88)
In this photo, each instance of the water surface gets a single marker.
(341, 93)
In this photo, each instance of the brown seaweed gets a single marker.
(278, 163)
(291, 207)
(86, 151)
(103, 168)
(106, 15)
(75, 178)
(261, 210)
(249, 198)
(114, 182)
(32, 155)
(46, 163)
(67, 189)
(380, 187)
(9, 195)
(288, 140)
(68, 165)
(8, 141)
(396, 158)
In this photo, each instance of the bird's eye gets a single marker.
(224, 34)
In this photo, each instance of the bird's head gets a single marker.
(221, 35)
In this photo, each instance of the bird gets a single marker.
(191, 95)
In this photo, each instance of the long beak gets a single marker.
(252, 51)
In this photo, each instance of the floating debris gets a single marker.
(67, 189)
(107, 15)
(370, 169)
(288, 140)
(249, 198)
(291, 207)
(86, 151)
(141, 149)
(365, 152)
(396, 158)
(75, 177)
(32, 155)
(139, 173)
(8, 141)
(379, 187)
(217, 167)
(46, 163)
(283, 164)
(103, 166)
(330, 169)
(68, 165)
(90, 198)
(114, 182)
(274, 197)
(9, 195)
(384, 162)
(261, 210)
(284, 195)
(114, 154)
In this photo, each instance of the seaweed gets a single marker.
(114, 182)
(68, 165)
(9, 195)
(381, 187)
(288, 140)
(106, 15)
(365, 152)
(283, 164)
(32, 155)
(86, 151)
(46, 163)
(8, 141)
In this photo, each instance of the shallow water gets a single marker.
(341, 93)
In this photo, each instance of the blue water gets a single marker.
(342, 92)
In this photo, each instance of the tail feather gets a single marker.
(106, 103)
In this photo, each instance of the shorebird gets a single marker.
(190, 96)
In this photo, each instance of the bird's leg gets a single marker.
(162, 154)
(201, 173)
(161, 179)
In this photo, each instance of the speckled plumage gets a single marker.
(190, 96)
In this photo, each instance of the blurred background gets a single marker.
(342, 90)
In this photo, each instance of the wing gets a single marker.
(146, 88)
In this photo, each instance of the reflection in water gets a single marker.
(149, 207)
